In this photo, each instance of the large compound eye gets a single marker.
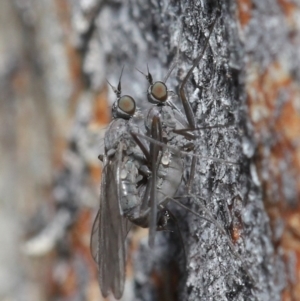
(159, 91)
(127, 104)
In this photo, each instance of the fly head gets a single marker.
(124, 107)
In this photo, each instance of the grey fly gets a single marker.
(124, 193)
(171, 134)
(111, 225)
(166, 124)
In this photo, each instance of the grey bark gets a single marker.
(136, 33)
(35, 89)
(110, 34)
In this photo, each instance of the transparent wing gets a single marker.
(94, 237)
(156, 133)
(109, 233)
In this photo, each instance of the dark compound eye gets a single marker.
(159, 91)
(127, 104)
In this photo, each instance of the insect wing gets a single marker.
(156, 133)
(108, 234)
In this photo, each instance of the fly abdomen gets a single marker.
(169, 175)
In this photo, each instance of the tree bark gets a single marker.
(53, 86)
(222, 91)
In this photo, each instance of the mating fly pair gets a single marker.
(142, 172)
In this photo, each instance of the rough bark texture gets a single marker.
(140, 32)
(53, 110)
(270, 33)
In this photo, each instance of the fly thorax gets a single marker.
(133, 149)
(168, 117)
(154, 111)
(114, 133)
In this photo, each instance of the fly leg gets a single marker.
(185, 153)
(148, 209)
(186, 105)
(163, 222)
(146, 171)
(211, 219)
(150, 203)
(156, 133)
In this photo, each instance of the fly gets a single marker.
(167, 125)
(111, 225)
